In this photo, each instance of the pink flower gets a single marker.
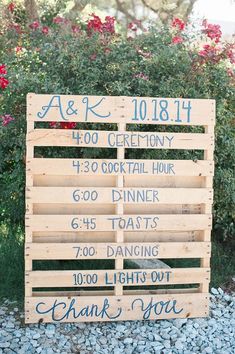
(11, 7)
(179, 24)
(132, 26)
(34, 25)
(93, 56)
(58, 19)
(230, 52)
(230, 72)
(141, 76)
(146, 55)
(54, 124)
(210, 53)
(212, 31)
(107, 50)
(177, 40)
(16, 27)
(75, 28)
(3, 83)
(108, 25)
(45, 30)
(3, 70)
(18, 49)
(6, 119)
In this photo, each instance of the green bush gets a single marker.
(94, 60)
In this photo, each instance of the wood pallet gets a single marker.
(117, 209)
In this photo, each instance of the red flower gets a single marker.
(45, 29)
(58, 19)
(176, 22)
(11, 7)
(34, 25)
(3, 83)
(3, 70)
(212, 31)
(95, 24)
(177, 40)
(67, 125)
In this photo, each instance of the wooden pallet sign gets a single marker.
(116, 210)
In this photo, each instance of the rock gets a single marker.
(4, 345)
(214, 291)
(103, 340)
(117, 351)
(179, 345)
(10, 325)
(167, 344)
(128, 341)
(36, 336)
(179, 322)
(121, 328)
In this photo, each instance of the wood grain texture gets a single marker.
(119, 109)
(117, 209)
(113, 308)
(154, 250)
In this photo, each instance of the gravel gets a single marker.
(212, 335)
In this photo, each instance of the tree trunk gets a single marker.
(31, 10)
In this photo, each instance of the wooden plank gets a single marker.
(83, 195)
(110, 277)
(116, 139)
(134, 250)
(29, 180)
(207, 207)
(116, 222)
(121, 109)
(102, 236)
(119, 235)
(73, 167)
(115, 308)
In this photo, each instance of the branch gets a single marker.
(122, 9)
(31, 10)
(78, 6)
(189, 9)
(149, 6)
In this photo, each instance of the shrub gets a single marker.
(92, 59)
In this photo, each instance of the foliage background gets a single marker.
(67, 58)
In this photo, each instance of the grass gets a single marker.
(12, 264)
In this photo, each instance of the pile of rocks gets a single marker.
(215, 334)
